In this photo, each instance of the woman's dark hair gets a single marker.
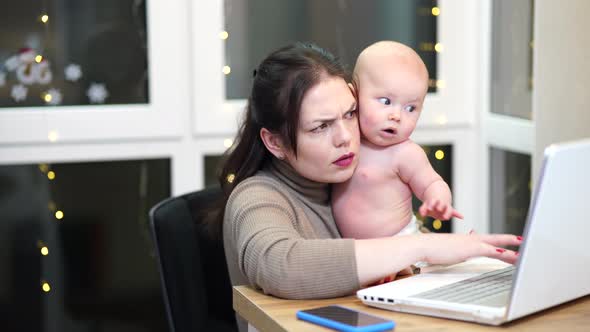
(279, 85)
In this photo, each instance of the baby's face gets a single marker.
(391, 95)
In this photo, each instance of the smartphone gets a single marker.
(344, 319)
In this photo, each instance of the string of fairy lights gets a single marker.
(57, 214)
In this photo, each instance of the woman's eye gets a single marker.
(385, 101)
(350, 114)
(410, 108)
(320, 127)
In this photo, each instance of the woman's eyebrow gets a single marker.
(329, 118)
(324, 119)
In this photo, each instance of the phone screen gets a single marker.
(346, 316)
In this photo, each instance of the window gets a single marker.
(73, 53)
(328, 23)
(79, 71)
(75, 249)
(510, 190)
(509, 124)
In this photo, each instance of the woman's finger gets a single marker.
(507, 256)
(500, 240)
(502, 254)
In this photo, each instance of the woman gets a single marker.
(300, 133)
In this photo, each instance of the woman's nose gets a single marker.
(345, 132)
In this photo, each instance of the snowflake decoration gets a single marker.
(53, 97)
(73, 72)
(2, 78)
(12, 63)
(97, 93)
(43, 72)
(19, 92)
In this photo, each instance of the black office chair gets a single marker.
(195, 282)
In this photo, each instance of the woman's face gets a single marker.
(328, 135)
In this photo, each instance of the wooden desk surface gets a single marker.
(268, 313)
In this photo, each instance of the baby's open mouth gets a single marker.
(390, 131)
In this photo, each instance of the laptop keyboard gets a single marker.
(475, 290)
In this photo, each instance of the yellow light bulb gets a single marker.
(226, 70)
(46, 288)
(227, 142)
(44, 251)
(224, 35)
(52, 136)
(230, 178)
(442, 119)
(437, 224)
(47, 97)
(438, 47)
(38, 58)
(439, 154)
(59, 215)
(44, 18)
(435, 11)
(51, 175)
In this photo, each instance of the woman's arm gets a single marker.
(377, 258)
(272, 253)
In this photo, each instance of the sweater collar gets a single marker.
(314, 191)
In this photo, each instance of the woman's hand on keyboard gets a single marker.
(456, 248)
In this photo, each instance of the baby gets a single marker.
(391, 83)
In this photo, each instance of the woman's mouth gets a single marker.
(345, 160)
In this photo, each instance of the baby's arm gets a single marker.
(429, 187)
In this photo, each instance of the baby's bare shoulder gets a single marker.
(407, 149)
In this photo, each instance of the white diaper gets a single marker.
(411, 228)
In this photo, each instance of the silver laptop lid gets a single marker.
(554, 264)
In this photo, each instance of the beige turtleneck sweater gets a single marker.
(280, 236)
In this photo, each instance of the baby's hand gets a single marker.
(439, 210)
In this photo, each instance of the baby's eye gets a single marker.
(350, 114)
(385, 101)
(410, 108)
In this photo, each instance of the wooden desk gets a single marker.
(268, 313)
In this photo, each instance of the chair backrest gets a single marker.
(195, 281)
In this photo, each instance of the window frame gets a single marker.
(169, 95)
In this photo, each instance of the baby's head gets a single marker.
(391, 82)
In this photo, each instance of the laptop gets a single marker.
(553, 265)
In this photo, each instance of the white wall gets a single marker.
(561, 79)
